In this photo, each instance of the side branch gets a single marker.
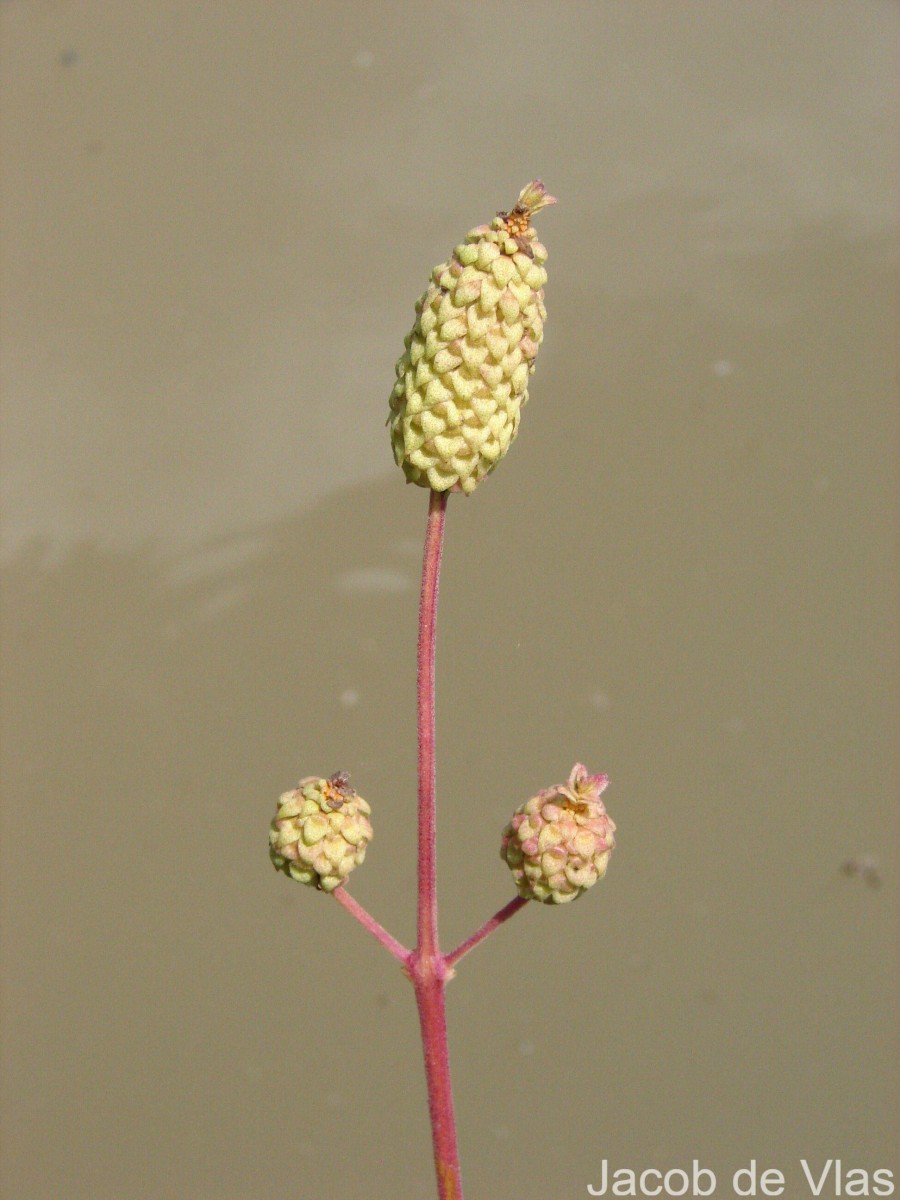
(368, 922)
(508, 910)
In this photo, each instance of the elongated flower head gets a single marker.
(463, 377)
(558, 843)
(320, 831)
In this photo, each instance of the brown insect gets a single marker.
(517, 222)
(337, 789)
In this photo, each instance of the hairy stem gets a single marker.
(368, 922)
(426, 966)
(508, 910)
(431, 574)
(433, 1022)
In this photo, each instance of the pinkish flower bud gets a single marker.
(558, 843)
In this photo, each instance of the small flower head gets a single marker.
(463, 378)
(558, 843)
(320, 831)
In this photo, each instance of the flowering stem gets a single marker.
(368, 922)
(508, 910)
(431, 574)
(426, 965)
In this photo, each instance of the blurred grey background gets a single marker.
(217, 218)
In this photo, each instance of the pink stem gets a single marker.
(508, 910)
(368, 922)
(426, 965)
(433, 1023)
(427, 874)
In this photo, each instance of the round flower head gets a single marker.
(320, 831)
(558, 843)
(463, 378)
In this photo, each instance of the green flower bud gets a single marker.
(320, 831)
(463, 378)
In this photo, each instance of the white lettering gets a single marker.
(651, 1181)
(816, 1188)
(884, 1182)
(750, 1172)
(857, 1182)
(670, 1191)
(697, 1171)
(645, 1191)
(601, 1191)
(772, 1182)
(624, 1186)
